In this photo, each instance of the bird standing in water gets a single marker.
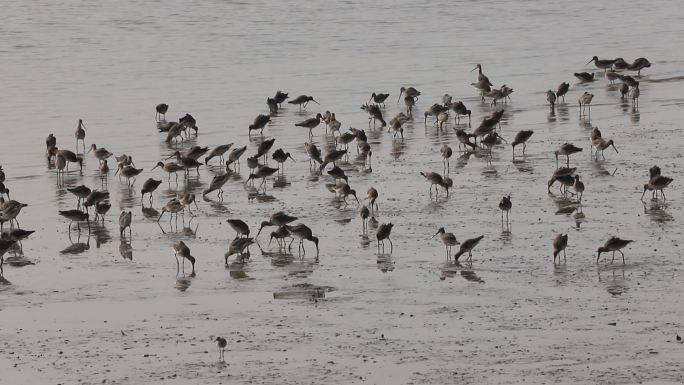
(559, 244)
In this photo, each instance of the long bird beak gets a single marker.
(434, 235)
(117, 170)
(269, 242)
(590, 61)
(293, 159)
(313, 100)
(150, 169)
(369, 100)
(614, 148)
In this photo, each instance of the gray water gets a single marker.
(92, 316)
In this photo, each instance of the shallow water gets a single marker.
(99, 308)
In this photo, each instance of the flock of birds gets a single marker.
(230, 156)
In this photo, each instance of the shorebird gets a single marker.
(4, 190)
(410, 102)
(623, 89)
(81, 192)
(585, 101)
(170, 168)
(240, 227)
(620, 64)
(437, 180)
(60, 163)
(220, 341)
(277, 219)
(314, 154)
(100, 153)
(639, 64)
(259, 123)
(634, 95)
(374, 113)
(187, 198)
(194, 152)
(342, 190)
(174, 206)
(5, 245)
(188, 121)
(183, 250)
(50, 142)
(464, 139)
(101, 209)
(161, 112)
(601, 144)
(280, 97)
(507, 91)
(434, 110)
(186, 163)
(148, 188)
(482, 86)
(446, 153)
(490, 140)
(467, 247)
(16, 235)
(75, 216)
(611, 76)
(566, 149)
(235, 155)
(272, 106)
(125, 219)
(280, 236)
(460, 110)
(579, 188)
(448, 239)
(372, 196)
(238, 246)
(218, 151)
(561, 172)
(562, 90)
(364, 213)
(551, 98)
(481, 78)
(332, 157)
(655, 184)
(383, 233)
(408, 92)
(613, 244)
(9, 210)
(338, 173)
(442, 119)
(95, 197)
(281, 156)
(175, 130)
(603, 64)
(379, 98)
(217, 183)
(262, 173)
(559, 244)
(396, 128)
(584, 76)
(505, 205)
(70, 157)
(495, 95)
(302, 232)
(80, 134)
(521, 138)
(104, 168)
(302, 100)
(310, 123)
(630, 81)
(130, 172)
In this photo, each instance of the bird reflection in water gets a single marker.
(614, 280)
(385, 263)
(657, 211)
(451, 269)
(77, 247)
(125, 249)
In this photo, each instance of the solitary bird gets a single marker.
(448, 239)
(467, 247)
(562, 90)
(566, 149)
(585, 101)
(149, 187)
(559, 244)
(240, 227)
(584, 76)
(613, 244)
(383, 233)
(259, 123)
(221, 342)
(310, 123)
(505, 205)
(125, 219)
(521, 138)
(379, 98)
(603, 64)
(183, 250)
(302, 101)
(161, 111)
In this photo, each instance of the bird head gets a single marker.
(440, 231)
(353, 192)
(159, 164)
(263, 224)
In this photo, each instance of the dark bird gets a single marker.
(374, 114)
(280, 97)
(383, 233)
(613, 244)
(603, 64)
(161, 111)
(302, 101)
(378, 98)
(149, 187)
(183, 250)
(559, 244)
(310, 123)
(505, 205)
(279, 218)
(220, 341)
(584, 76)
(639, 64)
(264, 148)
(281, 156)
(467, 247)
(240, 227)
(521, 138)
(259, 123)
(562, 90)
